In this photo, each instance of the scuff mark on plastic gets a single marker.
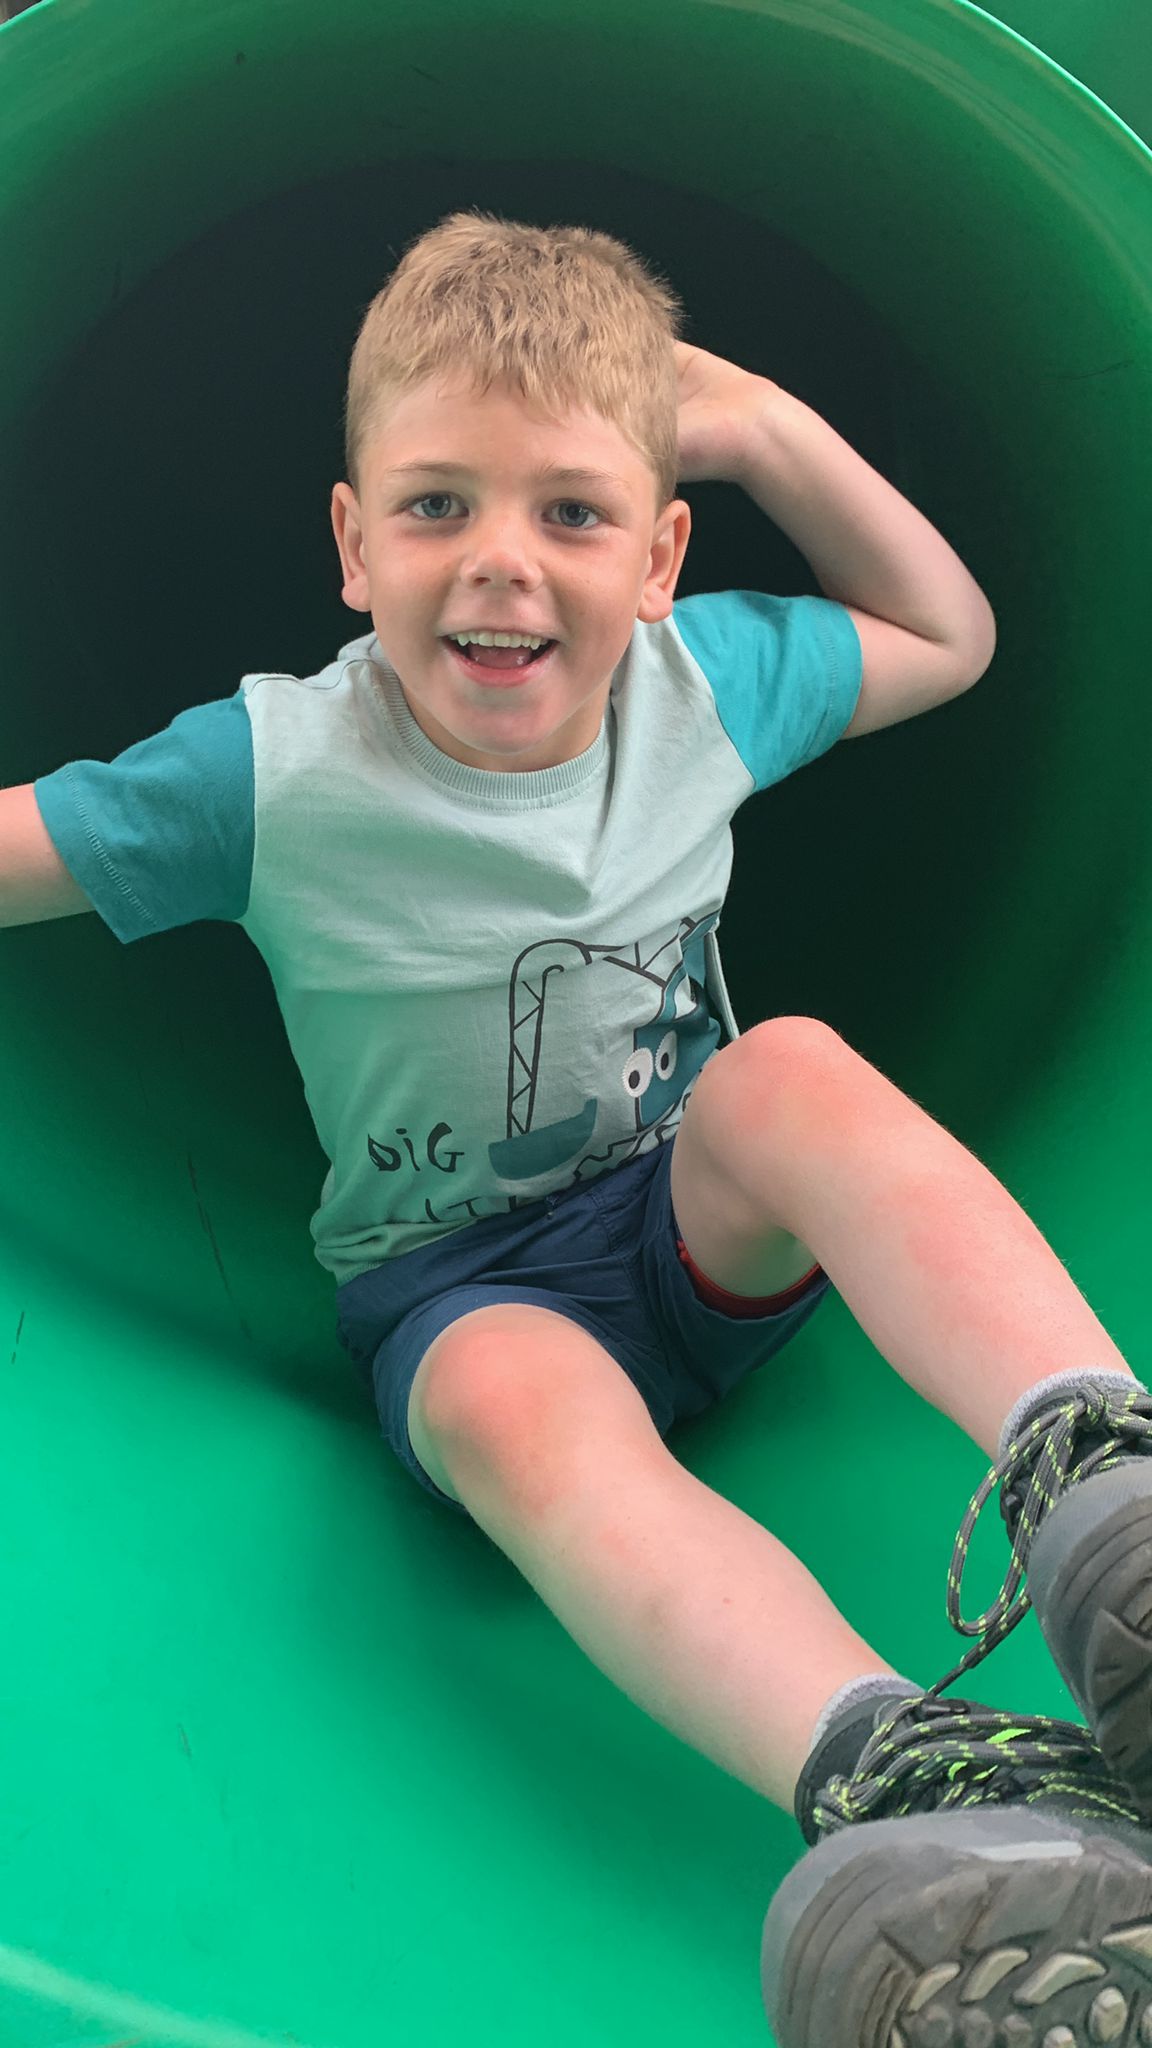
(1076, 376)
(210, 1234)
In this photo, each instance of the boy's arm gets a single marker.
(926, 628)
(34, 883)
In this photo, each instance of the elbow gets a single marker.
(975, 652)
(987, 644)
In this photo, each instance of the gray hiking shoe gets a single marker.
(978, 1882)
(1076, 1497)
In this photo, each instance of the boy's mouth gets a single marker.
(501, 667)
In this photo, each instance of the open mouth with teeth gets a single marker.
(500, 664)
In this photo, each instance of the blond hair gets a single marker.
(570, 317)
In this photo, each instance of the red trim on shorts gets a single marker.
(741, 1304)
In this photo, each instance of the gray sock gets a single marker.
(1041, 1395)
(857, 1690)
(841, 1733)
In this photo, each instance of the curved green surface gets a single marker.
(285, 1748)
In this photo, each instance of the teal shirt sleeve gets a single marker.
(165, 833)
(785, 673)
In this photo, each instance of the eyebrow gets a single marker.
(552, 473)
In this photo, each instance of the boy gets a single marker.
(487, 881)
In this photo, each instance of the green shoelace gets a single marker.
(931, 1753)
(1031, 1476)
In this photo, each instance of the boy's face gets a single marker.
(490, 548)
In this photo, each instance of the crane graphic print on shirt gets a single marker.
(642, 1089)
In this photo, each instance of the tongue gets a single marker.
(499, 657)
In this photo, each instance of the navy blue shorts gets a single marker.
(603, 1253)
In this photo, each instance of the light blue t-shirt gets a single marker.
(494, 984)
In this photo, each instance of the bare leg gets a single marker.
(692, 1608)
(789, 1131)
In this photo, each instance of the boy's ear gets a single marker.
(350, 542)
(669, 544)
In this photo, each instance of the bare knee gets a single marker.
(506, 1405)
(479, 1399)
(785, 1078)
(794, 1049)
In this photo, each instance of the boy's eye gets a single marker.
(443, 497)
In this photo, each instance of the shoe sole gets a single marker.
(1091, 1586)
(906, 1939)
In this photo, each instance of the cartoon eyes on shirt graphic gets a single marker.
(667, 1054)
